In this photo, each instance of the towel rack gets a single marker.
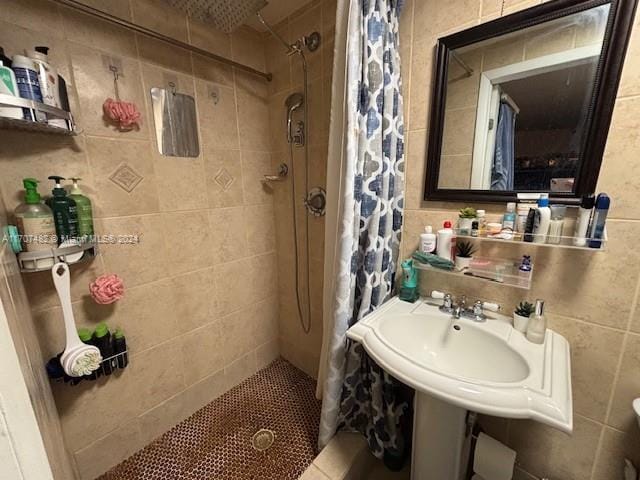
(505, 98)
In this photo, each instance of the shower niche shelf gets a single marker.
(497, 271)
(44, 259)
(42, 127)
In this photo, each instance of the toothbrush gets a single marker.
(78, 358)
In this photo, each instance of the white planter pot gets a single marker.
(520, 323)
(463, 263)
(464, 225)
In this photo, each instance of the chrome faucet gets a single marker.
(475, 313)
(461, 308)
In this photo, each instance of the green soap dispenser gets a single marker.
(65, 212)
(409, 288)
(34, 220)
(85, 213)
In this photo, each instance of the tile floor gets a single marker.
(216, 441)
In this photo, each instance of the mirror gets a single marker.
(523, 103)
(176, 123)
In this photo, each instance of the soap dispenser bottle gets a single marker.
(85, 212)
(35, 220)
(65, 213)
(537, 326)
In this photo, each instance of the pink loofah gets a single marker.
(107, 289)
(125, 114)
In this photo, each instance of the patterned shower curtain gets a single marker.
(358, 394)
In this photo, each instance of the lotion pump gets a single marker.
(537, 327)
(65, 213)
(83, 205)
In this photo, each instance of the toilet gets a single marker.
(636, 408)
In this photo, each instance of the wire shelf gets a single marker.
(41, 260)
(27, 125)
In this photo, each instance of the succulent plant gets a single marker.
(525, 309)
(467, 212)
(465, 249)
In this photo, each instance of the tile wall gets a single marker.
(201, 306)
(591, 297)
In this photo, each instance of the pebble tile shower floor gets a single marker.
(216, 442)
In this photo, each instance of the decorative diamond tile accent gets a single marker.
(126, 177)
(217, 442)
(224, 179)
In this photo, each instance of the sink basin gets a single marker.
(484, 367)
(467, 352)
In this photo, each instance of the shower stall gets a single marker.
(224, 330)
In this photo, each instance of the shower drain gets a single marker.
(263, 439)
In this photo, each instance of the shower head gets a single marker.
(225, 15)
(294, 101)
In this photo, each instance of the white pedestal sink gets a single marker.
(461, 365)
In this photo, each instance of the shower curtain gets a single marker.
(504, 156)
(366, 173)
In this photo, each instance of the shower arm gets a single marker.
(158, 36)
(291, 48)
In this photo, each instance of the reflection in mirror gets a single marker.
(516, 106)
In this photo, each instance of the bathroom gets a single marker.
(220, 242)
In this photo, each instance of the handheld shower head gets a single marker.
(294, 101)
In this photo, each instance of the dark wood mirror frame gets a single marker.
(614, 47)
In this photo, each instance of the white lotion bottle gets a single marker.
(537, 327)
(543, 216)
(428, 240)
(446, 242)
(582, 222)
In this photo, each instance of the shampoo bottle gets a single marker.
(543, 220)
(8, 86)
(120, 348)
(537, 327)
(65, 213)
(428, 240)
(48, 78)
(102, 340)
(28, 86)
(85, 213)
(35, 220)
(582, 222)
(596, 231)
(446, 243)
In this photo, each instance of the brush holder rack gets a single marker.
(108, 366)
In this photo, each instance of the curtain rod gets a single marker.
(158, 36)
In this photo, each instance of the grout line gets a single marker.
(598, 453)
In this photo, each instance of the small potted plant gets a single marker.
(465, 221)
(464, 254)
(521, 316)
